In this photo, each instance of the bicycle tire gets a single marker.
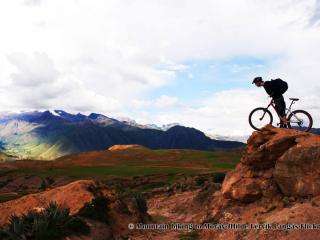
(307, 129)
(259, 109)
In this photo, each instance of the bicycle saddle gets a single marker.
(294, 99)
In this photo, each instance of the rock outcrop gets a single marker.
(72, 196)
(297, 172)
(276, 161)
(276, 182)
(75, 195)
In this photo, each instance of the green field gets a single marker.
(150, 162)
(98, 171)
(160, 167)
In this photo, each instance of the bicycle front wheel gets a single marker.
(300, 120)
(260, 117)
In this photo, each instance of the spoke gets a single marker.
(302, 121)
(260, 118)
(297, 118)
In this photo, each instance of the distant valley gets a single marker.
(51, 134)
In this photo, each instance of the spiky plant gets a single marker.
(140, 201)
(97, 209)
(16, 229)
(52, 223)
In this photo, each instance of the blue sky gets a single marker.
(202, 78)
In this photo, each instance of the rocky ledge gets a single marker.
(276, 161)
(276, 182)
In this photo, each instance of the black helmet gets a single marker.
(257, 79)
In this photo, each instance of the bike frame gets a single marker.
(288, 111)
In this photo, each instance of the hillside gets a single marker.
(128, 161)
(49, 135)
(120, 147)
(276, 182)
(272, 193)
(5, 157)
(123, 209)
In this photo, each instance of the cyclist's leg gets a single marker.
(280, 106)
(283, 111)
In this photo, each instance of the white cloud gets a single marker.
(161, 102)
(166, 102)
(32, 71)
(32, 2)
(316, 14)
(225, 113)
(106, 56)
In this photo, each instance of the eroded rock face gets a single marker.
(266, 147)
(123, 210)
(72, 196)
(276, 161)
(297, 172)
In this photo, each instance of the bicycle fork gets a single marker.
(265, 110)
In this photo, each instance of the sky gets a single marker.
(159, 61)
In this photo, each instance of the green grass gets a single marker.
(225, 165)
(210, 155)
(161, 151)
(29, 147)
(116, 170)
(169, 164)
(153, 162)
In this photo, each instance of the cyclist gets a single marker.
(275, 89)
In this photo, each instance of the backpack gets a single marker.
(282, 85)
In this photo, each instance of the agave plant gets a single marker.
(140, 201)
(55, 215)
(16, 229)
(97, 209)
(52, 223)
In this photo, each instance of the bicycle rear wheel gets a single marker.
(300, 120)
(259, 117)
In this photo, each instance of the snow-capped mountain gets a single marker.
(228, 138)
(54, 133)
(133, 123)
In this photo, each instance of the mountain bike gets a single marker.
(297, 119)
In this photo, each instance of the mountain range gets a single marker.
(55, 133)
(243, 138)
